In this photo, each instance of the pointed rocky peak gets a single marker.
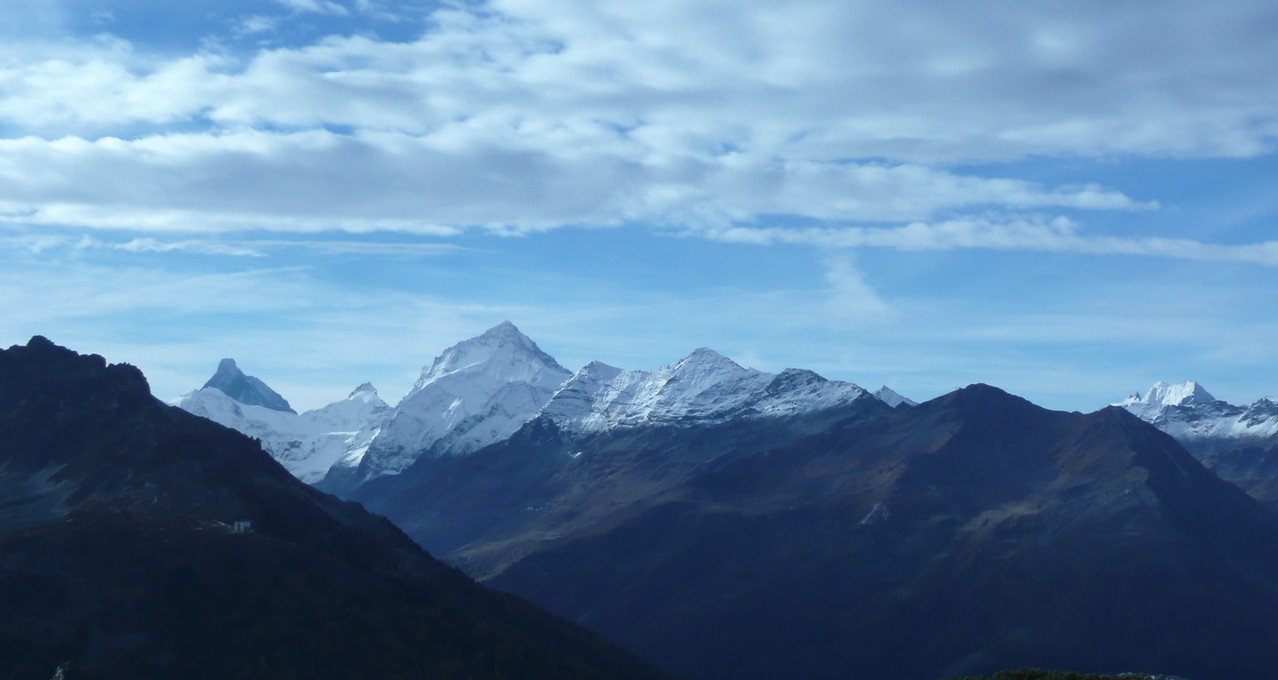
(890, 397)
(227, 372)
(365, 389)
(246, 389)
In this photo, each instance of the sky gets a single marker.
(1068, 200)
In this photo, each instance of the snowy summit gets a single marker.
(475, 393)
(1190, 413)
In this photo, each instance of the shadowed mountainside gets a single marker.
(967, 534)
(116, 556)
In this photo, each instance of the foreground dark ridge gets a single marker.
(118, 557)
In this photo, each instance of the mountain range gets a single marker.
(139, 541)
(728, 523)
(481, 390)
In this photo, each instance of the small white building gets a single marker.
(241, 526)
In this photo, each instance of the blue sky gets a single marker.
(1067, 200)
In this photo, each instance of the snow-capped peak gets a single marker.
(703, 358)
(1192, 415)
(246, 389)
(1184, 393)
(1163, 395)
(475, 393)
(502, 352)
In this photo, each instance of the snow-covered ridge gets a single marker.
(307, 444)
(480, 391)
(703, 387)
(1188, 412)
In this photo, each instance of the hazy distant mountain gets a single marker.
(246, 389)
(307, 444)
(963, 535)
(889, 396)
(119, 556)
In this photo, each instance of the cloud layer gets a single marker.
(518, 116)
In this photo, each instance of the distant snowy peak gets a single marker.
(1190, 413)
(889, 396)
(475, 393)
(1163, 394)
(703, 387)
(246, 389)
(502, 352)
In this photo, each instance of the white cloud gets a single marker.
(1056, 235)
(315, 180)
(524, 115)
(814, 80)
(41, 243)
(256, 24)
(850, 296)
(315, 6)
